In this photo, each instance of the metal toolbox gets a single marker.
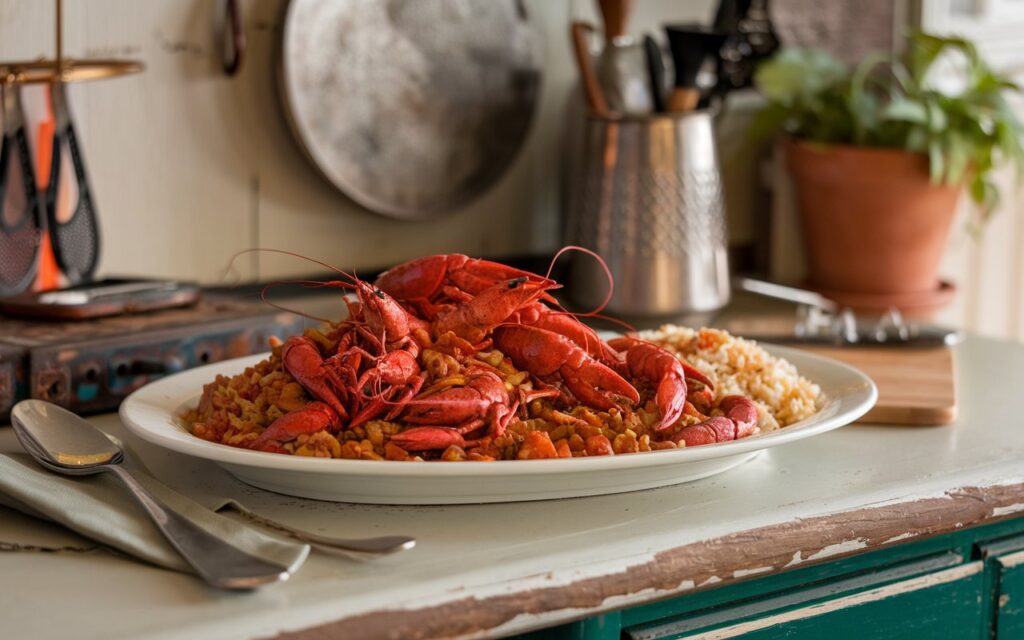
(91, 366)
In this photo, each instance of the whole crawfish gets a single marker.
(470, 297)
(430, 282)
(374, 370)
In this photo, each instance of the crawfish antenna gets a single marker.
(604, 267)
(596, 312)
(266, 289)
(230, 269)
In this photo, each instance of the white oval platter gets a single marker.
(152, 413)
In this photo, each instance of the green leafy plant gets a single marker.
(891, 103)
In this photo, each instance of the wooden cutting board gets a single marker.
(915, 386)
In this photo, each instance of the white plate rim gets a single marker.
(137, 415)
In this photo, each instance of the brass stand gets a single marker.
(61, 69)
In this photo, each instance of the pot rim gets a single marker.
(800, 153)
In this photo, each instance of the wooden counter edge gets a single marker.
(693, 567)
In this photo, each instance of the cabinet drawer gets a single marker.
(1010, 598)
(938, 604)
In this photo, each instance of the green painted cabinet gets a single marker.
(1010, 597)
(967, 584)
(944, 604)
(1005, 560)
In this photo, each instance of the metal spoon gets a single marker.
(358, 548)
(352, 547)
(65, 443)
(355, 547)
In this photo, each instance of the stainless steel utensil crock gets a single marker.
(646, 194)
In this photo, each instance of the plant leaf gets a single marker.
(906, 110)
(925, 49)
(957, 158)
(936, 116)
(798, 73)
(936, 161)
(886, 103)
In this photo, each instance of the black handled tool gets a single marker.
(655, 72)
(691, 44)
(71, 215)
(21, 218)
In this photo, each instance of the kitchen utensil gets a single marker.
(622, 72)
(691, 44)
(357, 547)
(21, 221)
(615, 15)
(822, 321)
(648, 199)
(655, 72)
(152, 414)
(750, 39)
(592, 90)
(622, 63)
(412, 109)
(64, 443)
(232, 33)
(71, 215)
(76, 240)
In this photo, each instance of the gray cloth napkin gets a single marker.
(101, 508)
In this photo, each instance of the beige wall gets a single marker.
(189, 166)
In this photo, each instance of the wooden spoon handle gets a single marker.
(591, 87)
(616, 17)
(683, 99)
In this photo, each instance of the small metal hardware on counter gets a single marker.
(823, 322)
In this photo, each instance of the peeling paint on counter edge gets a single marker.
(903, 536)
(743, 573)
(677, 570)
(1009, 509)
(837, 549)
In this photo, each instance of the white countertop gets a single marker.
(476, 569)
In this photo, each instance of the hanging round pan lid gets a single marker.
(412, 109)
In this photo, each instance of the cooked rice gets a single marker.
(739, 366)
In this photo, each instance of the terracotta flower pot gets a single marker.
(872, 220)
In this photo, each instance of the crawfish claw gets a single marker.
(314, 417)
(650, 362)
(545, 354)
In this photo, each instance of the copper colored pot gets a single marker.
(872, 220)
